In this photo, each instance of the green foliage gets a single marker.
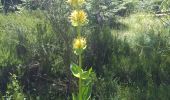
(14, 90)
(109, 8)
(135, 60)
(148, 5)
(76, 70)
(139, 57)
(16, 32)
(105, 88)
(87, 78)
(29, 40)
(165, 5)
(95, 56)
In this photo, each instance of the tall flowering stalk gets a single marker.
(78, 19)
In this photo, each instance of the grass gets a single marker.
(140, 24)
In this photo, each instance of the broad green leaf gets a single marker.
(87, 81)
(76, 70)
(85, 75)
(86, 92)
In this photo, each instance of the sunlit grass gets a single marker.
(140, 24)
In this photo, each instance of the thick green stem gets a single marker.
(80, 64)
(78, 31)
(80, 90)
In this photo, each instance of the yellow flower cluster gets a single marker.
(78, 18)
(76, 3)
(79, 44)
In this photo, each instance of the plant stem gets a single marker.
(78, 31)
(80, 65)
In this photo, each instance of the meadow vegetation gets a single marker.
(126, 48)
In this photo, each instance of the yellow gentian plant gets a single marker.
(78, 18)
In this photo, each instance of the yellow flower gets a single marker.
(79, 44)
(76, 3)
(78, 18)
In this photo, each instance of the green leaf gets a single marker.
(19, 96)
(86, 92)
(76, 70)
(86, 82)
(86, 74)
(74, 97)
(90, 70)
